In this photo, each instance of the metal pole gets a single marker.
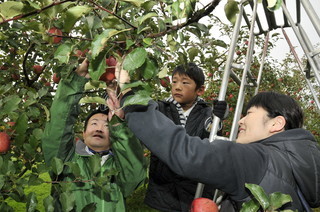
(312, 15)
(265, 47)
(302, 43)
(224, 84)
(240, 101)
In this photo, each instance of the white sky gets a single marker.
(282, 48)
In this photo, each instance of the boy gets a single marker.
(168, 191)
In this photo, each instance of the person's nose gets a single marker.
(100, 128)
(240, 122)
(177, 86)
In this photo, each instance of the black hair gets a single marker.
(103, 111)
(192, 71)
(277, 104)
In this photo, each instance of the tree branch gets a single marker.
(35, 12)
(112, 13)
(195, 18)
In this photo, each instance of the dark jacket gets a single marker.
(278, 163)
(125, 167)
(167, 191)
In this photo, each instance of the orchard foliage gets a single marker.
(44, 40)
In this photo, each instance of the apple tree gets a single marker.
(44, 40)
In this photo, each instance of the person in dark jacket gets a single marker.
(119, 153)
(272, 150)
(168, 191)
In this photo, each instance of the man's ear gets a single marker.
(200, 91)
(278, 125)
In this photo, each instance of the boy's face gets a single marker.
(96, 135)
(184, 90)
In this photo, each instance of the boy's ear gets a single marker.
(200, 91)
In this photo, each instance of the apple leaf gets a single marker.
(231, 9)
(89, 99)
(278, 199)
(193, 52)
(149, 69)
(133, 85)
(97, 66)
(2, 180)
(73, 15)
(141, 97)
(146, 17)
(63, 53)
(56, 165)
(164, 72)
(274, 5)
(259, 194)
(67, 201)
(48, 203)
(134, 59)
(94, 164)
(10, 9)
(74, 168)
(136, 3)
(250, 206)
(11, 104)
(21, 128)
(32, 201)
(100, 40)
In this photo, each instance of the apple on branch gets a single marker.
(109, 73)
(37, 69)
(165, 82)
(55, 31)
(4, 142)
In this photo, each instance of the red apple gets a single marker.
(37, 69)
(165, 82)
(109, 74)
(15, 76)
(203, 205)
(4, 142)
(55, 31)
(55, 78)
(210, 74)
(238, 52)
(80, 53)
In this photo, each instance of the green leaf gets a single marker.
(91, 207)
(67, 200)
(10, 9)
(57, 165)
(259, 194)
(149, 69)
(99, 42)
(164, 72)
(34, 180)
(73, 15)
(31, 201)
(133, 85)
(97, 66)
(231, 9)
(48, 204)
(2, 181)
(135, 59)
(94, 164)
(250, 206)
(47, 112)
(136, 3)
(21, 128)
(274, 4)
(11, 104)
(96, 99)
(193, 52)
(146, 17)
(63, 53)
(141, 97)
(74, 168)
(278, 199)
